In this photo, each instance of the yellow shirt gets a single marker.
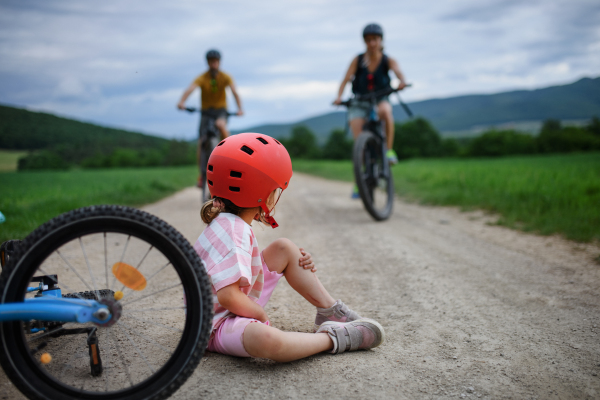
(213, 90)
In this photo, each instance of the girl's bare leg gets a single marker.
(356, 126)
(264, 341)
(282, 256)
(384, 110)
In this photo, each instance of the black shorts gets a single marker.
(214, 114)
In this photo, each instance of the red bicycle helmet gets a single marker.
(245, 169)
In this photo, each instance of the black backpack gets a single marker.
(365, 81)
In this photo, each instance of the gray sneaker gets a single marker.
(339, 312)
(356, 335)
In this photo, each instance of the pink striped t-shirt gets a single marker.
(230, 252)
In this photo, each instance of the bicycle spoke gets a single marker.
(67, 364)
(137, 349)
(73, 269)
(152, 294)
(160, 346)
(65, 286)
(155, 323)
(147, 280)
(140, 263)
(89, 268)
(112, 362)
(120, 261)
(105, 260)
(116, 343)
(153, 309)
(45, 334)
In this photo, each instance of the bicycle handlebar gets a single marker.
(207, 113)
(371, 96)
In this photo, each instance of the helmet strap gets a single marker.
(267, 217)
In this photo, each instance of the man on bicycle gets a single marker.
(212, 86)
(369, 72)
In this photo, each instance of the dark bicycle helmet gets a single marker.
(213, 54)
(373, 29)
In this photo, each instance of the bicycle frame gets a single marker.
(373, 123)
(51, 307)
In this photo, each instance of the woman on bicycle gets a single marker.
(369, 72)
(247, 173)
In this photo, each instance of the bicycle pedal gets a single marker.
(8, 250)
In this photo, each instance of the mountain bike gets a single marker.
(372, 171)
(210, 136)
(102, 302)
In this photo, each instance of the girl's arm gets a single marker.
(396, 68)
(349, 74)
(233, 299)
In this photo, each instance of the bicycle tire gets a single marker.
(370, 177)
(90, 295)
(29, 376)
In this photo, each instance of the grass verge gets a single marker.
(543, 194)
(31, 198)
(9, 159)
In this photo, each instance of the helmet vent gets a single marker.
(234, 188)
(235, 174)
(277, 141)
(263, 141)
(247, 149)
(210, 182)
(220, 144)
(210, 168)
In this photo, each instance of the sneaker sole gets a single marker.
(367, 320)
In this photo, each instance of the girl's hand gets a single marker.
(306, 261)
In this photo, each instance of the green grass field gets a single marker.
(542, 194)
(30, 198)
(9, 158)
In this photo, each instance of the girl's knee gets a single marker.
(268, 345)
(284, 245)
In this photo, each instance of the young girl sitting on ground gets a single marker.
(246, 175)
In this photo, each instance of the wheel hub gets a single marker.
(115, 309)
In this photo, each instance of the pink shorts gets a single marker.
(228, 338)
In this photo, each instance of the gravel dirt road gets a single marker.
(471, 310)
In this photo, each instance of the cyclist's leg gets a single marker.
(384, 109)
(201, 136)
(198, 152)
(356, 126)
(221, 124)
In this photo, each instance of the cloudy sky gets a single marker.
(126, 63)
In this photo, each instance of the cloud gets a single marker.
(127, 63)
(277, 91)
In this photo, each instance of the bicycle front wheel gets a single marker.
(373, 176)
(154, 285)
(207, 148)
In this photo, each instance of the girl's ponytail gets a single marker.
(213, 207)
(208, 212)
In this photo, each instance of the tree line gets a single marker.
(418, 138)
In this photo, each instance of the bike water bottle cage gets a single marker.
(246, 168)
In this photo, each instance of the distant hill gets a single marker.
(576, 101)
(27, 130)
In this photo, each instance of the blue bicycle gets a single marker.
(103, 302)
